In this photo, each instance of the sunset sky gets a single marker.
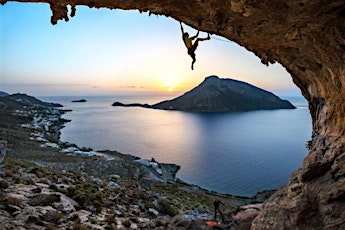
(107, 52)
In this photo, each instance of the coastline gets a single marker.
(40, 147)
(209, 155)
(261, 196)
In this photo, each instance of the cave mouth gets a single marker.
(307, 38)
(274, 74)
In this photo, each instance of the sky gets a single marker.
(110, 52)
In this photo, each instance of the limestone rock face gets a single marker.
(308, 39)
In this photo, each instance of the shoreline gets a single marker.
(211, 158)
(56, 123)
(35, 166)
(258, 197)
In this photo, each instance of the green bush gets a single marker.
(80, 197)
(44, 199)
(3, 184)
(13, 201)
(308, 145)
(79, 226)
(167, 208)
(86, 193)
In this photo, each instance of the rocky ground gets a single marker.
(46, 184)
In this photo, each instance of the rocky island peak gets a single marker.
(216, 94)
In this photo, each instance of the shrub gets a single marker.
(79, 226)
(80, 197)
(50, 227)
(39, 172)
(44, 199)
(308, 145)
(13, 201)
(53, 216)
(166, 208)
(74, 217)
(3, 184)
(110, 219)
(109, 227)
(85, 193)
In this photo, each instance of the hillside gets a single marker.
(30, 101)
(225, 95)
(3, 94)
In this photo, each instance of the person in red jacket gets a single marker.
(188, 41)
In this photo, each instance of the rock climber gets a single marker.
(188, 41)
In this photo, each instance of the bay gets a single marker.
(236, 153)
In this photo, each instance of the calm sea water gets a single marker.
(237, 153)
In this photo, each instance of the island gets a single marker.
(81, 100)
(215, 94)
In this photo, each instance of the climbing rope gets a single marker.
(223, 40)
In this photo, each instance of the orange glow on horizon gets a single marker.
(169, 82)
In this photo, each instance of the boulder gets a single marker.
(153, 211)
(114, 177)
(114, 185)
(244, 218)
(94, 180)
(169, 171)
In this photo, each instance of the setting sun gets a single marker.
(170, 82)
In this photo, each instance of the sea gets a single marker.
(239, 153)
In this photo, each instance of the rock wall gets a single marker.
(308, 39)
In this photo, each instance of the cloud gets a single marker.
(127, 87)
(45, 85)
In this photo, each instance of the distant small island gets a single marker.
(81, 100)
(132, 105)
(220, 95)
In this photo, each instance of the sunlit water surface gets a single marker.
(237, 153)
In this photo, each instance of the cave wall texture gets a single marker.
(308, 38)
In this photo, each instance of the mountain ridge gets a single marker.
(29, 100)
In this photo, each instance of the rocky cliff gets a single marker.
(225, 95)
(308, 39)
